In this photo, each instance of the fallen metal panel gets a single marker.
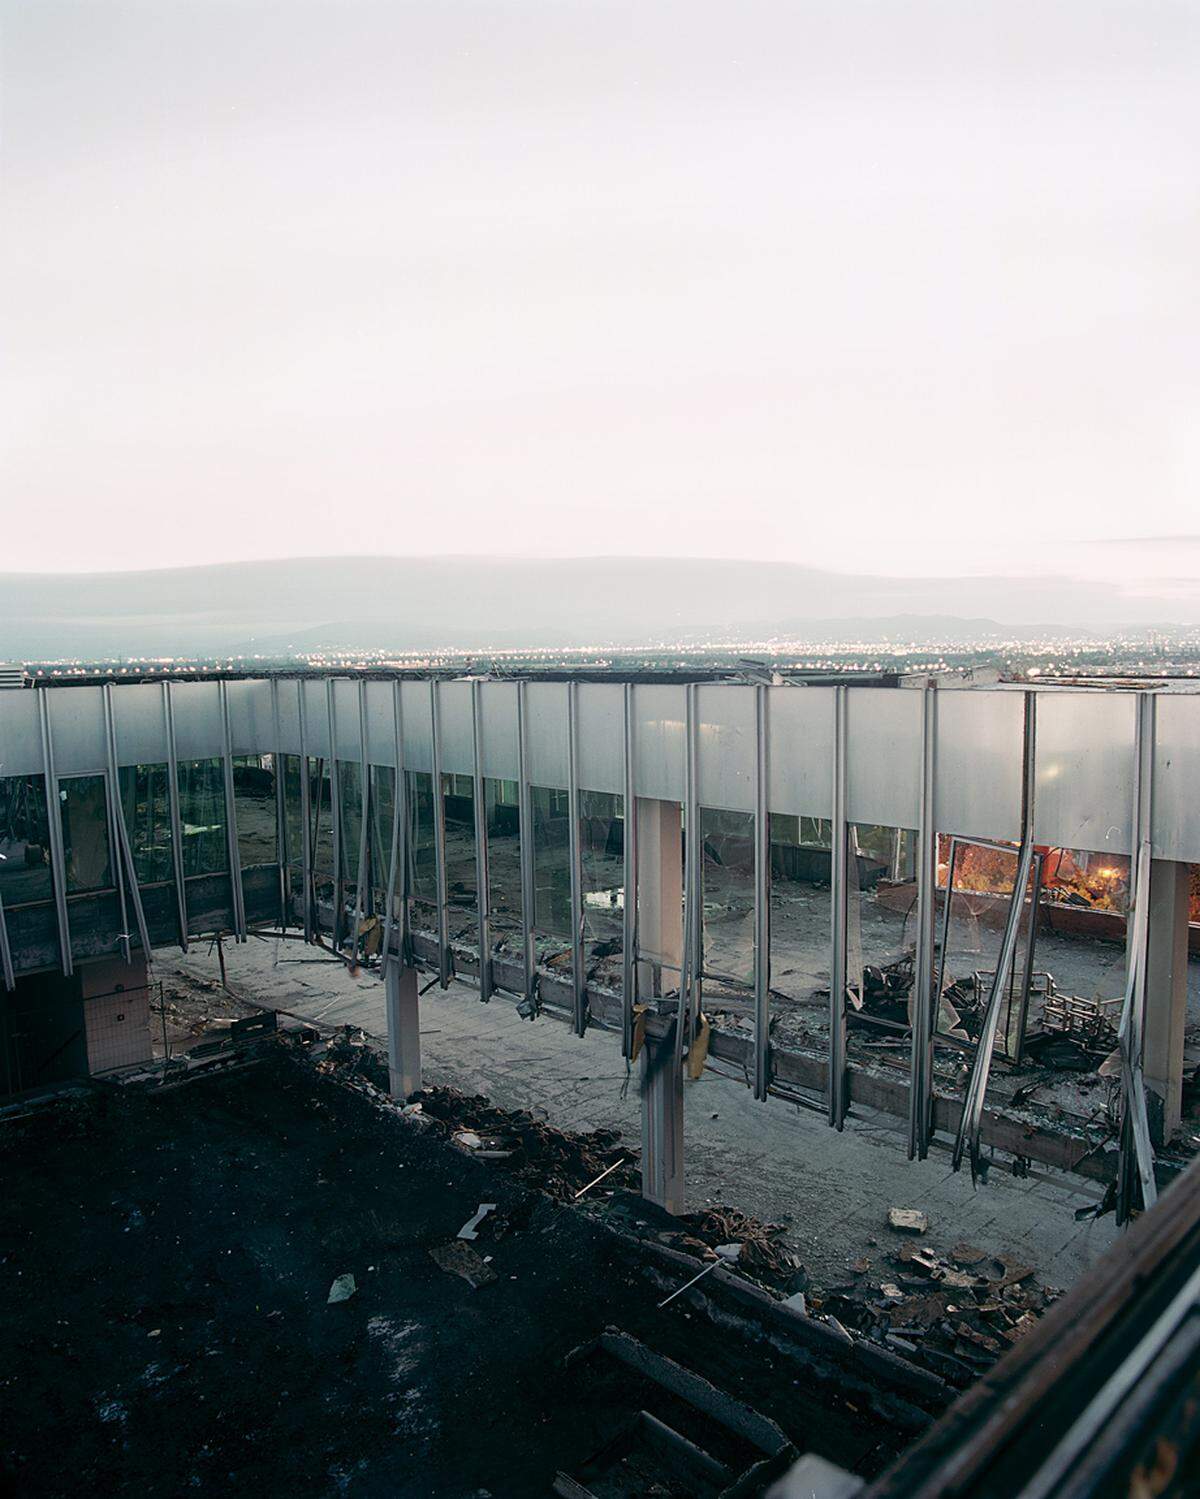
(141, 732)
(1085, 770)
(501, 751)
(979, 739)
(77, 719)
(20, 733)
(1176, 809)
(601, 719)
(546, 733)
(660, 714)
(883, 756)
(801, 750)
(726, 752)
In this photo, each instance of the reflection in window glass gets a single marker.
(85, 833)
(382, 804)
(551, 861)
(24, 841)
(602, 861)
(421, 844)
(801, 931)
(504, 863)
(350, 795)
(320, 802)
(202, 813)
(293, 812)
(458, 793)
(881, 926)
(146, 801)
(727, 876)
(254, 808)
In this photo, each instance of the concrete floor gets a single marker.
(774, 1160)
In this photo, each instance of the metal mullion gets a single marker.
(629, 932)
(6, 963)
(838, 917)
(762, 897)
(693, 933)
(335, 812)
(282, 850)
(483, 895)
(125, 850)
(920, 1095)
(111, 802)
(231, 838)
(525, 824)
(58, 862)
(439, 836)
(364, 816)
(396, 852)
(971, 1117)
(578, 975)
(176, 817)
(306, 871)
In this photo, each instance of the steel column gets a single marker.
(578, 972)
(403, 1029)
(235, 860)
(176, 817)
(439, 838)
(306, 871)
(58, 861)
(125, 851)
(482, 893)
(361, 893)
(396, 872)
(6, 962)
(335, 814)
(629, 924)
(839, 839)
(762, 896)
(112, 799)
(662, 1123)
(920, 1094)
(525, 823)
(282, 849)
(690, 989)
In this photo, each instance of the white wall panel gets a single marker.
(1176, 816)
(418, 733)
(800, 750)
(725, 747)
(547, 733)
(346, 719)
(251, 726)
(980, 746)
(1085, 763)
(316, 718)
(141, 725)
(601, 727)
(501, 755)
(289, 715)
(883, 756)
(659, 748)
(381, 724)
(458, 731)
(77, 724)
(20, 732)
(196, 709)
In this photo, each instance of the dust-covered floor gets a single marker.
(167, 1261)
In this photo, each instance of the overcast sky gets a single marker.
(899, 287)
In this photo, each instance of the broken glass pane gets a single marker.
(24, 841)
(85, 833)
(145, 798)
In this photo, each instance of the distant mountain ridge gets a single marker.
(420, 603)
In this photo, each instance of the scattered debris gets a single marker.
(341, 1290)
(908, 1221)
(470, 1229)
(457, 1258)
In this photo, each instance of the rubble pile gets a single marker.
(955, 1316)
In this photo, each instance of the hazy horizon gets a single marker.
(901, 291)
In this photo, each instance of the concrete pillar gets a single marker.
(403, 1029)
(659, 893)
(662, 1123)
(1166, 996)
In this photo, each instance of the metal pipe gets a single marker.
(361, 893)
(692, 884)
(920, 1095)
(482, 893)
(578, 973)
(306, 871)
(58, 861)
(629, 927)
(439, 837)
(762, 896)
(335, 813)
(235, 860)
(176, 817)
(839, 910)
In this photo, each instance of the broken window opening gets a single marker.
(25, 875)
